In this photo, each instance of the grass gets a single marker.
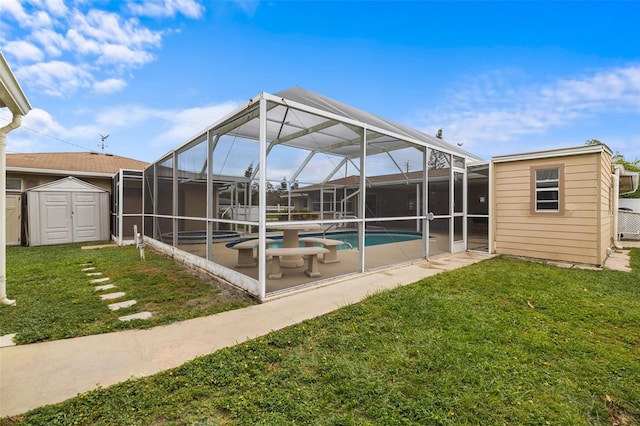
(500, 342)
(56, 301)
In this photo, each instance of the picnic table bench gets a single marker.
(331, 245)
(311, 253)
(245, 252)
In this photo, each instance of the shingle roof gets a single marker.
(77, 162)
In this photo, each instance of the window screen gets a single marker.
(547, 190)
(14, 184)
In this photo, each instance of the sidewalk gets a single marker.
(46, 373)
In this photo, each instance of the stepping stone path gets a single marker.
(89, 269)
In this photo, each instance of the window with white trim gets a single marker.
(14, 184)
(547, 190)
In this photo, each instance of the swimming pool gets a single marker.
(350, 238)
(200, 237)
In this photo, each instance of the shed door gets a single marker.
(55, 213)
(14, 207)
(86, 216)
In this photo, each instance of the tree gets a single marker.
(438, 160)
(617, 158)
(439, 134)
(633, 166)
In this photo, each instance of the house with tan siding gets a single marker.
(556, 205)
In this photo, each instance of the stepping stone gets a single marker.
(99, 280)
(97, 246)
(7, 340)
(120, 305)
(93, 274)
(110, 296)
(88, 269)
(104, 287)
(141, 315)
(86, 264)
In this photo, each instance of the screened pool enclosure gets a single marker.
(294, 188)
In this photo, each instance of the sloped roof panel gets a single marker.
(72, 162)
(315, 100)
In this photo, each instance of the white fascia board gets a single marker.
(11, 93)
(562, 152)
(58, 172)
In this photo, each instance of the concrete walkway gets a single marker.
(46, 373)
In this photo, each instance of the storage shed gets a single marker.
(65, 211)
(556, 204)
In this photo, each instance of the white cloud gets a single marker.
(52, 42)
(56, 7)
(13, 8)
(82, 42)
(166, 8)
(248, 6)
(55, 78)
(40, 131)
(110, 85)
(105, 27)
(24, 51)
(123, 55)
(173, 126)
(188, 122)
(490, 110)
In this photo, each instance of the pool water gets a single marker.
(371, 238)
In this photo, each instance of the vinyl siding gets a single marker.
(576, 233)
(607, 236)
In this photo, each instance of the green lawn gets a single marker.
(500, 342)
(55, 299)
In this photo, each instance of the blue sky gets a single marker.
(499, 77)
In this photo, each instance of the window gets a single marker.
(14, 184)
(546, 185)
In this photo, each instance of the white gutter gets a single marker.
(15, 123)
(12, 97)
(616, 203)
(60, 172)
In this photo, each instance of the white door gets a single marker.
(459, 242)
(55, 211)
(86, 216)
(13, 211)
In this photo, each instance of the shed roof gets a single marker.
(68, 184)
(72, 163)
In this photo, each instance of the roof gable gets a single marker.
(68, 184)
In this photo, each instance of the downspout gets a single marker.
(15, 123)
(616, 203)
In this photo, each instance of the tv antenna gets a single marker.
(102, 144)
